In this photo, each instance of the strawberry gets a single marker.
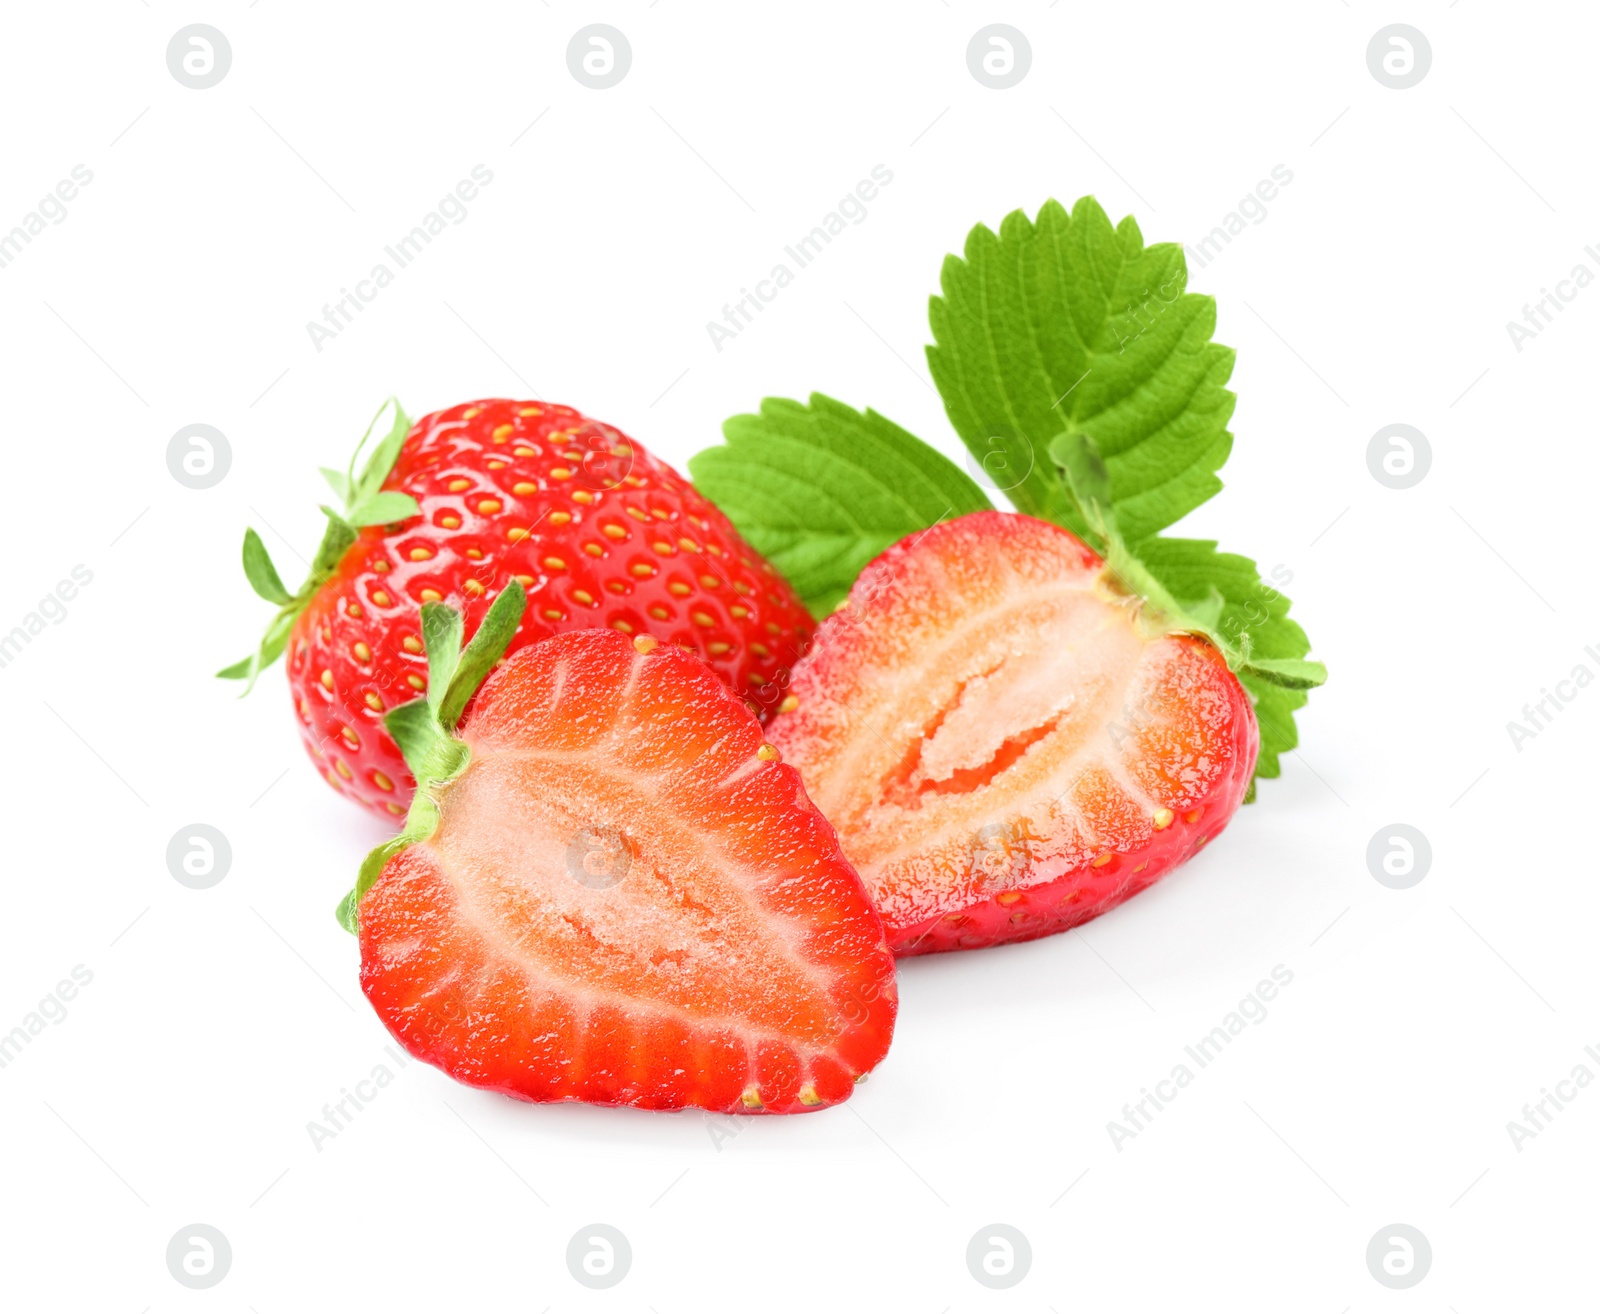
(610, 889)
(1009, 742)
(598, 531)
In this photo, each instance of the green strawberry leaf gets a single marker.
(414, 727)
(268, 651)
(441, 639)
(1206, 611)
(486, 647)
(1065, 325)
(371, 868)
(1286, 672)
(820, 489)
(260, 571)
(382, 509)
(384, 455)
(339, 481)
(1089, 483)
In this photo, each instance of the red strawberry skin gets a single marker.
(1006, 750)
(730, 961)
(600, 533)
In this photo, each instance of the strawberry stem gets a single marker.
(424, 728)
(1089, 484)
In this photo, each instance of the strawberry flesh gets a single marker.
(1005, 748)
(628, 900)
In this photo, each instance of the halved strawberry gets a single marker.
(1008, 742)
(610, 889)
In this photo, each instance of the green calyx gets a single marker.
(365, 503)
(1088, 483)
(424, 729)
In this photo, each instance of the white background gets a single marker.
(1377, 290)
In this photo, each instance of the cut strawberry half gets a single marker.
(1008, 742)
(610, 889)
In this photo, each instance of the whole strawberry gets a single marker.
(598, 532)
